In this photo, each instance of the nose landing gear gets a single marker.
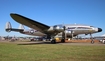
(92, 41)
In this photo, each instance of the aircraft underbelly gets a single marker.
(34, 34)
(39, 34)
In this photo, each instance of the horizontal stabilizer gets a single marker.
(9, 28)
(16, 30)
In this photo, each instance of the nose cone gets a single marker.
(99, 29)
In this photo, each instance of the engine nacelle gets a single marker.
(56, 28)
(8, 27)
(31, 30)
(59, 28)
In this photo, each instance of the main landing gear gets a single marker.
(53, 41)
(63, 35)
(63, 40)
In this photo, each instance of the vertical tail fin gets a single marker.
(21, 27)
(8, 27)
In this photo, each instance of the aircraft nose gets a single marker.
(99, 29)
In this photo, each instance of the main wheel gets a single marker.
(53, 41)
(103, 41)
(62, 40)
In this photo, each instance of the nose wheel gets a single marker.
(92, 41)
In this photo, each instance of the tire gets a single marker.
(103, 41)
(53, 41)
(62, 40)
(92, 42)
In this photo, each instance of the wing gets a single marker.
(29, 22)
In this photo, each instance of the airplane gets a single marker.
(40, 29)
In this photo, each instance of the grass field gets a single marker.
(51, 52)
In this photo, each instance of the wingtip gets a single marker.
(12, 13)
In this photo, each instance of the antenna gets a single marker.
(63, 23)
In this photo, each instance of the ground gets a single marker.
(45, 51)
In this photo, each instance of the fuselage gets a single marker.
(69, 29)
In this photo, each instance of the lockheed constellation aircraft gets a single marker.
(40, 29)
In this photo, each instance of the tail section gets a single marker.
(9, 28)
(22, 30)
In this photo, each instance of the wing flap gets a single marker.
(29, 22)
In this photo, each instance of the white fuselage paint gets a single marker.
(75, 29)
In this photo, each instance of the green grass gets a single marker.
(50, 52)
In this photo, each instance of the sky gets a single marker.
(52, 12)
